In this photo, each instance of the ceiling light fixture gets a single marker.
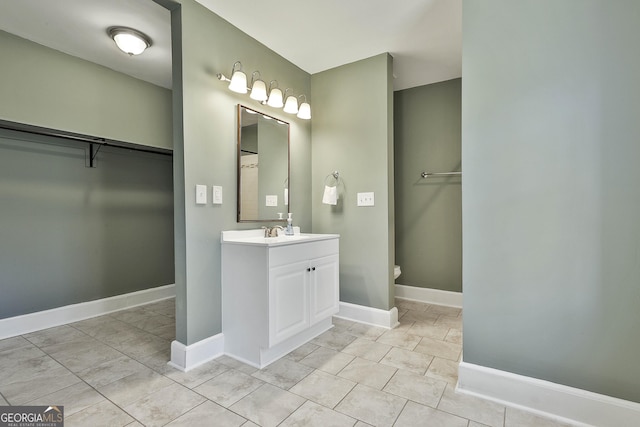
(128, 40)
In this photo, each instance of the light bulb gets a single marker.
(291, 105)
(275, 98)
(304, 112)
(238, 82)
(259, 91)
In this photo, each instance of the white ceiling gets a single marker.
(79, 28)
(424, 36)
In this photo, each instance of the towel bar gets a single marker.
(428, 174)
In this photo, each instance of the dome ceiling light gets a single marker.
(128, 40)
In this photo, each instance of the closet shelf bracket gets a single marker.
(93, 152)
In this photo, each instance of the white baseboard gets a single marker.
(369, 315)
(187, 357)
(26, 323)
(568, 404)
(430, 296)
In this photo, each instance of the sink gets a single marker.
(286, 238)
(256, 237)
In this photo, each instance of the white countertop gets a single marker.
(256, 237)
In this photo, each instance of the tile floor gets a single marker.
(112, 371)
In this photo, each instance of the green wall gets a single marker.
(70, 234)
(428, 211)
(550, 107)
(352, 130)
(44, 87)
(205, 153)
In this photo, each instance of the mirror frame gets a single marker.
(238, 164)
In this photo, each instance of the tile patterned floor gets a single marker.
(112, 371)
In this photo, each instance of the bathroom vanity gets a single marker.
(277, 292)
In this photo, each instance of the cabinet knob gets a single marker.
(314, 269)
(308, 269)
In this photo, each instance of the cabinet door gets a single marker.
(324, 287)
(288, 301)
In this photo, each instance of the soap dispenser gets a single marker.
(289, 229)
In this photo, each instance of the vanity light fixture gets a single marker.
(291, 103)
(272, 96)
(304, 112)
(275, 95)
(258, 88)
(128, 40)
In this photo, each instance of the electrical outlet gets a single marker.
(217, 195)
(201, 194)
(366, 199)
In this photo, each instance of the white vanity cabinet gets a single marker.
(277, 293)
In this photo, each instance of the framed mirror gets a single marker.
(263, 166)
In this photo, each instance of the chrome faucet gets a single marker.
(272, 231)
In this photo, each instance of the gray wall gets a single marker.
(551, 264)
(69, 233)
(205, 153)
(428, 211)
(353, 133)
(44, 87)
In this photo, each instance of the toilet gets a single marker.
(396, 271)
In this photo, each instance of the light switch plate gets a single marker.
(271, 200)
(217, 195)
(201, 194)
(366, 199)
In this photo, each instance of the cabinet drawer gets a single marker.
(302, 251)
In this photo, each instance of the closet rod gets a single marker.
(37, 130)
